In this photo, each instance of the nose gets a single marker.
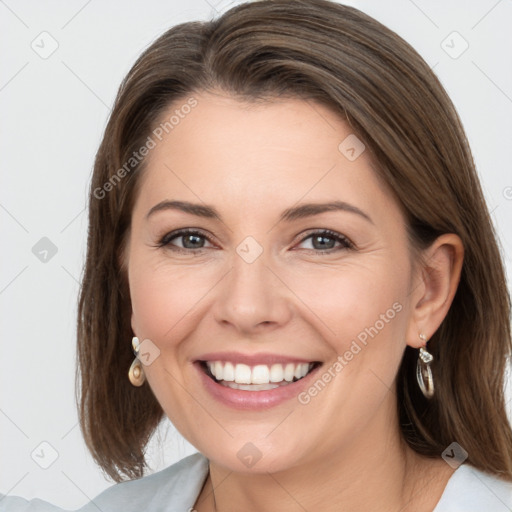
(253, 296)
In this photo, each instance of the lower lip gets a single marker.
(253, 400)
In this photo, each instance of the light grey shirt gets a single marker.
(176, 489)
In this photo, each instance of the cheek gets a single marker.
(362, 313)
(356, 301)
(154, 307)
(162, 296)
(168, 306)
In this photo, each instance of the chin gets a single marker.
(251, 458)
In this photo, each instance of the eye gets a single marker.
(325, 240)
(192, 240)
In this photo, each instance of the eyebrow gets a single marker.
(289, 215)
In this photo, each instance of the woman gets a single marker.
(287, 230)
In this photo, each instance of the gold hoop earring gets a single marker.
(136, 372)
(423, 371)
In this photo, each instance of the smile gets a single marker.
(259, 377)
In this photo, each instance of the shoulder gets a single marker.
(176, 487)
(472, 490)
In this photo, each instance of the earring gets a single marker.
(136, 372)
(423, 371)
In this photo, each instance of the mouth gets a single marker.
(259, 377)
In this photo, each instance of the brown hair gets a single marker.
(339, 56)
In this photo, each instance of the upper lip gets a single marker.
(253, 359)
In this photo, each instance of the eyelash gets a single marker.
(166, 239)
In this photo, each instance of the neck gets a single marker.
(374, 470)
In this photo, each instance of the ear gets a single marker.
(436, 281)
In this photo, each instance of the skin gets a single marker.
(251, 162)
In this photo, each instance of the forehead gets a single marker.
(226, 128)
(240, 154)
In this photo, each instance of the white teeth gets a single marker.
(276, 373)
(289, 370)
(260, 374)
(229, 372)
(218, 367)
(257, 376)
(242, 374)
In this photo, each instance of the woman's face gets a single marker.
(251, 294)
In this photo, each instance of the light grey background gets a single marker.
(53, 113)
